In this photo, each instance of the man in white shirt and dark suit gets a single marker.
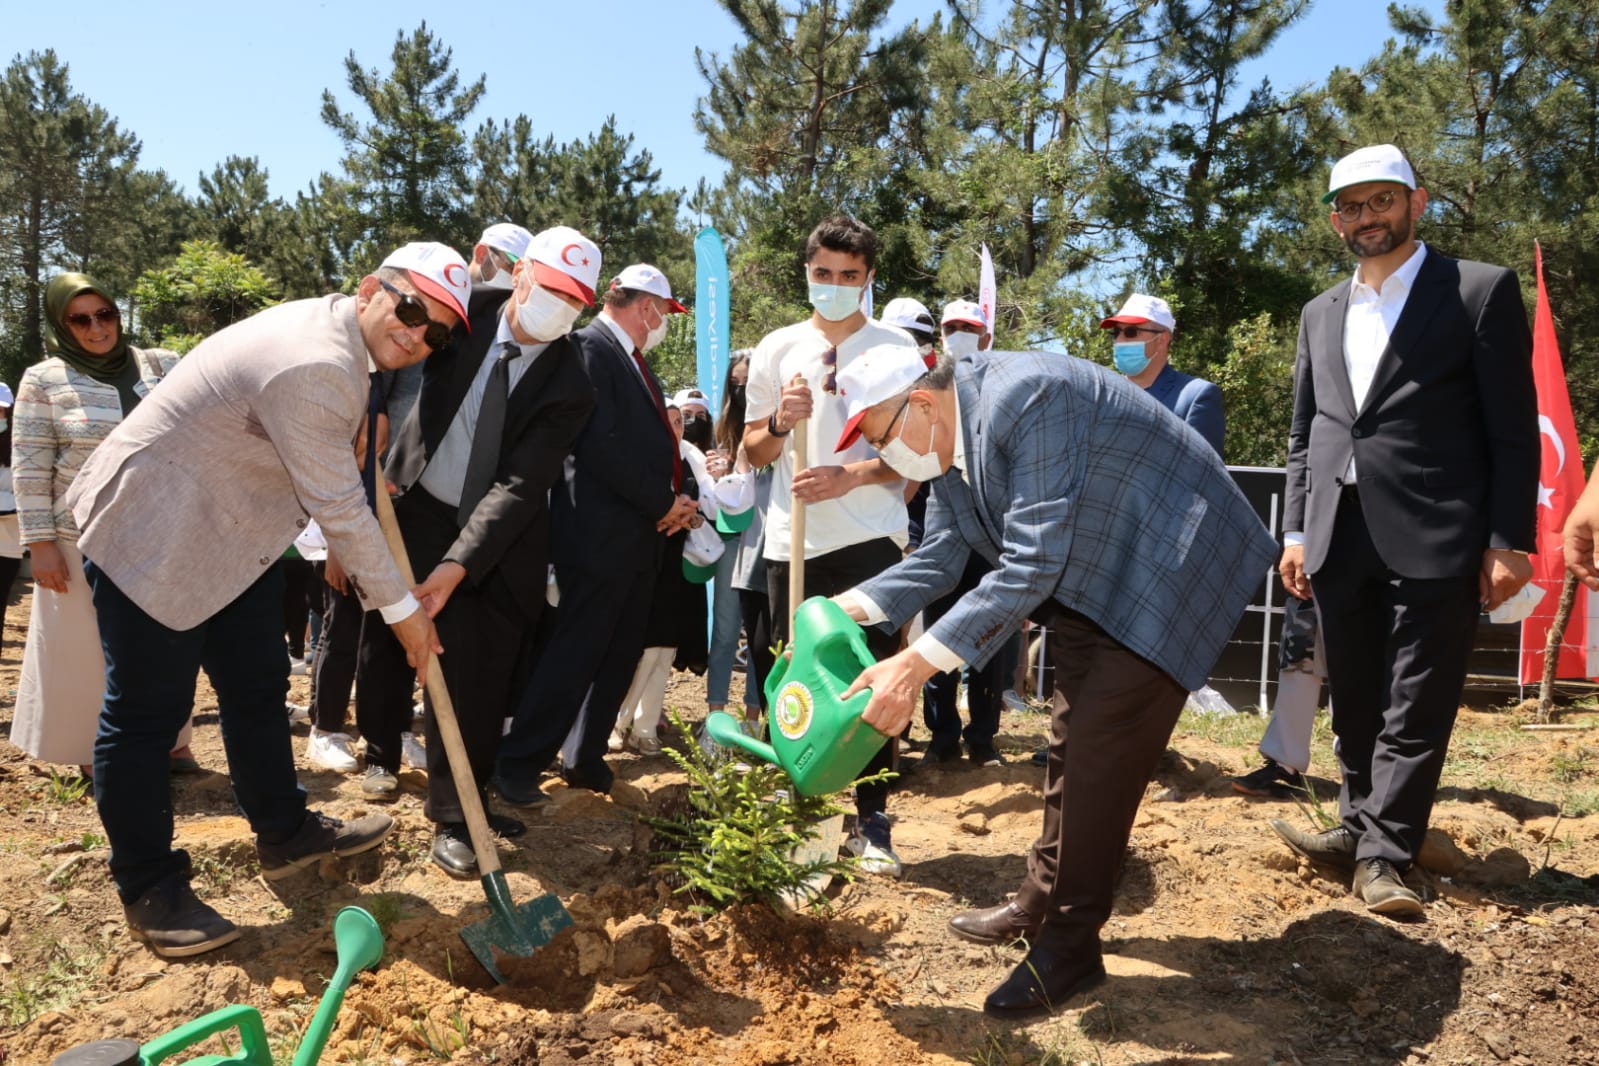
(1412, 479)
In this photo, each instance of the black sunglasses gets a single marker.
(1133, 331)
(413, 312)
(105, 316)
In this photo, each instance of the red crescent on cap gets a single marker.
(459, 269)
(447, 297)
(567, 261)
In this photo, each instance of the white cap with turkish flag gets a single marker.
(437, 270)
(1140, 309)
(879, 373)
(566, 261)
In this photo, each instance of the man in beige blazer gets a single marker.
(184, 509)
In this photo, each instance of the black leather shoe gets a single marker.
(452, 850)
(1003, 924)
(503, 825)
(1380, 885)
(517, 794)
(1044, 981)
(1334, 847)
(593, 780)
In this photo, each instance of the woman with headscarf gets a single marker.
(67, 404)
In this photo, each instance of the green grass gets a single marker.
(54, 981)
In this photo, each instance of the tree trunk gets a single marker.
(1551, 650)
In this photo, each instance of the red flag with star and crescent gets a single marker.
(1560, 482)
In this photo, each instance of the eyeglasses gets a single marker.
(830, 382)
(413, 313)
(105, 316)
(1350, 210)
(1130, 332)
(880, 441)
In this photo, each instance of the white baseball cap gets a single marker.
(509, 238)
(880, 372)
(1140, 309)
(906, 313)
(566, 261)
(1375, 162)
(688, 397)
(964, 311)
(645, 278)
(437, 270)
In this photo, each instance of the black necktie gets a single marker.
(374, 407)
(484, 459)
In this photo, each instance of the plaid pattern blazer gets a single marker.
(1082, 489)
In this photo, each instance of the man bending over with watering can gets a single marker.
(1104, 519)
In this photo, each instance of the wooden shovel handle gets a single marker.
(796, 526)
(477, 823)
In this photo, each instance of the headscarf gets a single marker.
(116, 367)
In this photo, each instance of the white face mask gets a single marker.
(960, 344)
(836, 302)
(544, 316)
(908, 464)
(656, 335)
(500, 280)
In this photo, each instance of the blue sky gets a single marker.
(198, 82)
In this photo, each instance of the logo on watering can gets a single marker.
(793, 714)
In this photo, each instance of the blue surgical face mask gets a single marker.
(835, 302)
(1130, 357)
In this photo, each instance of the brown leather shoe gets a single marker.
(1334, 847)
(1003, 924)
(1380, 885)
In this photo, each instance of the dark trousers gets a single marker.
(1113, 715)
(1396, 665)
(358, 652)
(757, 610)
(828, 575)
(150, 678)
(481, 631)
(297, 602)
(580, 668)
(985, 685)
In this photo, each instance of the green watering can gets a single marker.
(817, 738)
(360, 945)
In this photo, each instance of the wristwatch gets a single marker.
(771, 426)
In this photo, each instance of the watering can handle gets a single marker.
(246, 1019)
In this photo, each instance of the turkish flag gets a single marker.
(1560, 482)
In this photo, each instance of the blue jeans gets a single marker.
(727, 620)
(150, 677)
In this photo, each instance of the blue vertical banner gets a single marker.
(712, 315)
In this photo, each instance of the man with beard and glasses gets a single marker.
(1412, 482)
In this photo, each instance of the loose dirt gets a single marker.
(1222, 948)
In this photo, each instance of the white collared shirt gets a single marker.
(445, 475)
(1369, 323)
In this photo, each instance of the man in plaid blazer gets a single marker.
(1103, 518)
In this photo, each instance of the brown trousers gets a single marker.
(1113, 715)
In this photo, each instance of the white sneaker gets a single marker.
(1014, 701)
(330, 751)
(297, 712)
(647, 745)
(873, 849)
(412, 753)
(297, 667)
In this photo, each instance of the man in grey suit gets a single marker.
(1103, 517)
(184, 508)
(1412, 488)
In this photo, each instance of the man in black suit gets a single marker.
(1412, 479)
(498, 413)
(610, 518)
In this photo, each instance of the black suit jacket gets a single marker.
(619, 482)
(507, 535)
(1446, 444)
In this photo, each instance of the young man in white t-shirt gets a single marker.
(855, 525)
